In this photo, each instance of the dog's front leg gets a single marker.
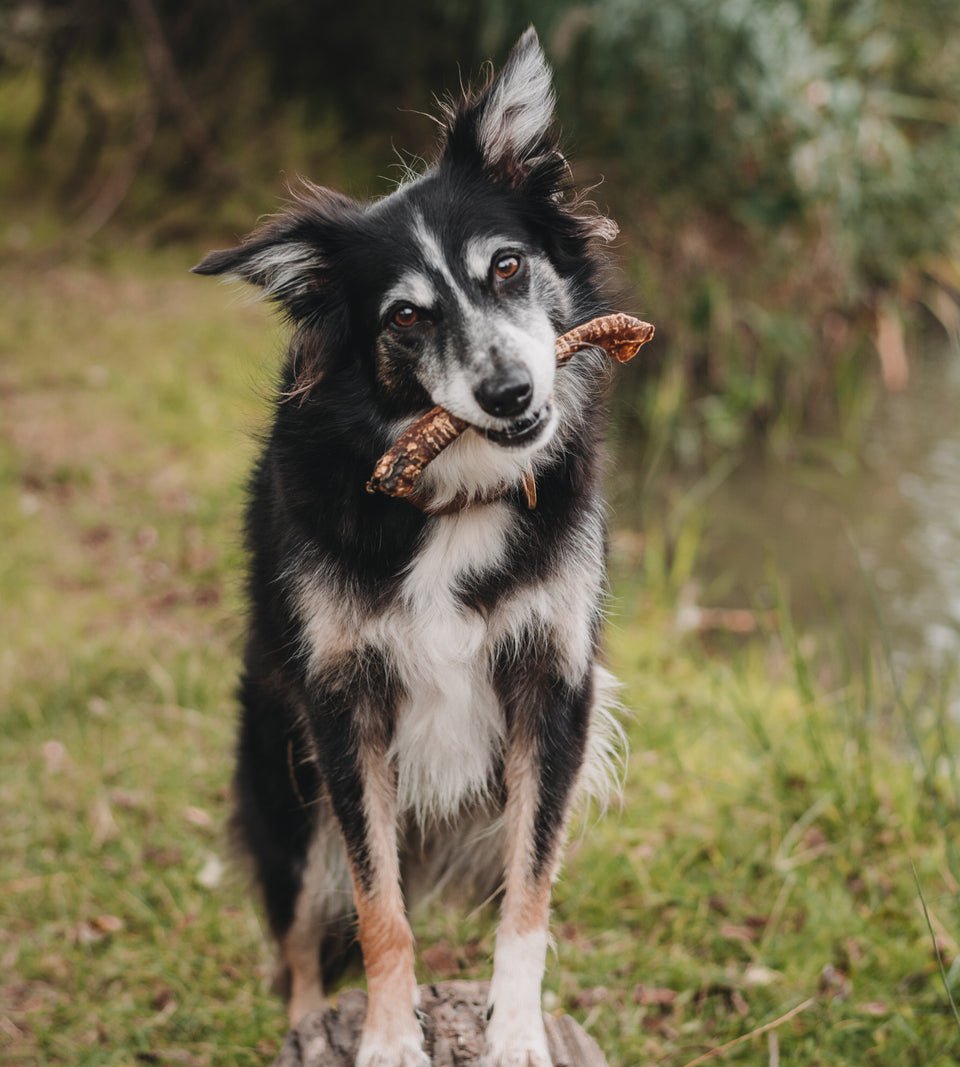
(391, 1033)
(547, 741)
(363, 792)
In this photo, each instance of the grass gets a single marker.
(775, 808)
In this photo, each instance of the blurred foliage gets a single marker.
(790, 176)
(784, 171)
(775, 112)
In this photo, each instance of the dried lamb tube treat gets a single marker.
(398, 470)
(620, 335)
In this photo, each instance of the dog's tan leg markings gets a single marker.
(391, 1033)
(323, 904)
(515, 1032)
(303, 959)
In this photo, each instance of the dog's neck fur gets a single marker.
(464, 500)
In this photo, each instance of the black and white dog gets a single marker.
(422, 701)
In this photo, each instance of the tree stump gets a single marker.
(453, 1015)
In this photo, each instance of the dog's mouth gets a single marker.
(522, 431)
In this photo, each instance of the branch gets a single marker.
(170, 88)
(722, 1049)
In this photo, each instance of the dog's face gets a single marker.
(469, 309)
(452, 290)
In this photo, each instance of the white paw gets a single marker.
(513, 1045)
(391, 1052)
(516, 1057)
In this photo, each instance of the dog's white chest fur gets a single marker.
(450, 726)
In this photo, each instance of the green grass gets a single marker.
(775, 807)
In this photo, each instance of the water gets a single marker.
(876, 548)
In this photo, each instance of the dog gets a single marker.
(422, 697)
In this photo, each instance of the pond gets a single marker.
(870, 551)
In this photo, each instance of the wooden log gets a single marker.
(453, 1015)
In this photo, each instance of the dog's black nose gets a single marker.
(508, 392)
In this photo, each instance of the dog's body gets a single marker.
(421, 697)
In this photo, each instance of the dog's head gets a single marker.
(451, 290)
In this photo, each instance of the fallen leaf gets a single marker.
(737, 933)
(54, 756)
(758, 975)
(589, 998)
(210, 874)
(440, 958)
(739, 1002)
(103, 824)
(655, 997)
(198, 817)
(833, 980)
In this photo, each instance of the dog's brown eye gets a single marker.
(506, 266)
(406, 316)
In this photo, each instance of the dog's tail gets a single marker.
(601, 777)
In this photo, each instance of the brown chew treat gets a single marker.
(398, 471)
(620, 335)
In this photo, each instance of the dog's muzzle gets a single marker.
(522, 431)
(507, 393)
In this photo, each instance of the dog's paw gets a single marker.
(391, 1052)
(515, 1045)
(516, 1057)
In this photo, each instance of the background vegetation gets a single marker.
(784, 175)
(779, 796)
(784, 170)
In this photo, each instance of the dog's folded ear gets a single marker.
(289, 257)
(281, 263)
(508, 128)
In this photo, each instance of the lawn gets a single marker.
(785, 817)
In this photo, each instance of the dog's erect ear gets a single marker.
(288, 257)
(516, 111)
(508, 126)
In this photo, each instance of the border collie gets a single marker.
(421, 696)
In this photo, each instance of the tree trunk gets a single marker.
(453, 1015)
